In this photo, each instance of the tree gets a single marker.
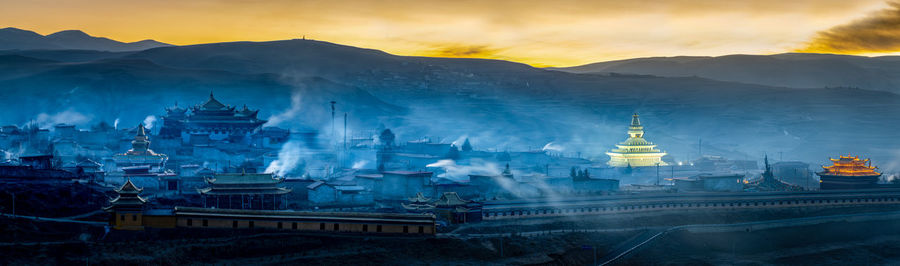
(387, 138)
(453, 153)
(574, 172)
(466, 145)
(586, 174)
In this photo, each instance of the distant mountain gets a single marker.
(17, 39)
(496, 104)
(783, 70)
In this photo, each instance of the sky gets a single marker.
(539, 33)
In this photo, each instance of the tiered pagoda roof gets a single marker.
(213, 114)
(636, 151)
(140, 151)
(129, 198)
(448, 200)
(850, 166)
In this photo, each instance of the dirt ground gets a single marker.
(41, 242)
(839, 243)
(271, 248)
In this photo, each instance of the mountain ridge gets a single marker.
(783, 70)
(20, 39)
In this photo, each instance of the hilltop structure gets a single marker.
(635, 151)
(848, 172)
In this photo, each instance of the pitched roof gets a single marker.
(129, 187)
(244, 178)
(89, 163)
(450, 199)
(212, 103)
(315, 185)
(419, 198)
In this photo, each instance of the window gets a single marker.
(234, 224)
(134, 217)
(205, 222)
(280, 225)
(190, 222)
(250, 224)
(365, 228)
(405, 229)
(122, 217)
(335, 227)
(322, 226)
(378, 228)
(294, 226)
(421, 229)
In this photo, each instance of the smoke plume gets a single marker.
(289, 158)
(149, 121)
(288, 114)
(70, 117)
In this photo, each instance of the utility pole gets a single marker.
(700, 148)
(657, 174)
(332, 120)
(345, 131)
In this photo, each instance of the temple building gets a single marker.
(126, 209)
(848, 172)
(213, 120)
(635, 151)
(173, 122)
(140, 153)
(244, 191)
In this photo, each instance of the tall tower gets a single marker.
(635, 151)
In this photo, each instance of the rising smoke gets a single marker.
(149, 121)
(70, 117)
(289, 158)
(289, 114)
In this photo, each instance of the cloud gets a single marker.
(877, 32)
(559, 33)
(459, 50)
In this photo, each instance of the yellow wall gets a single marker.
(302, 226)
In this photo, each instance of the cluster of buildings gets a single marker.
(215, 156)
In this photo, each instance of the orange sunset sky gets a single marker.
(540, 33)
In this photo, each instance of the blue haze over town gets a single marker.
(304, 151)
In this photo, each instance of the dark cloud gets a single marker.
(878, 32)
(482, 51)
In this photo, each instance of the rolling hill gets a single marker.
(497, 104)
(18, 39)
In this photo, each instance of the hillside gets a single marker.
(782, 70)
(497, 104)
